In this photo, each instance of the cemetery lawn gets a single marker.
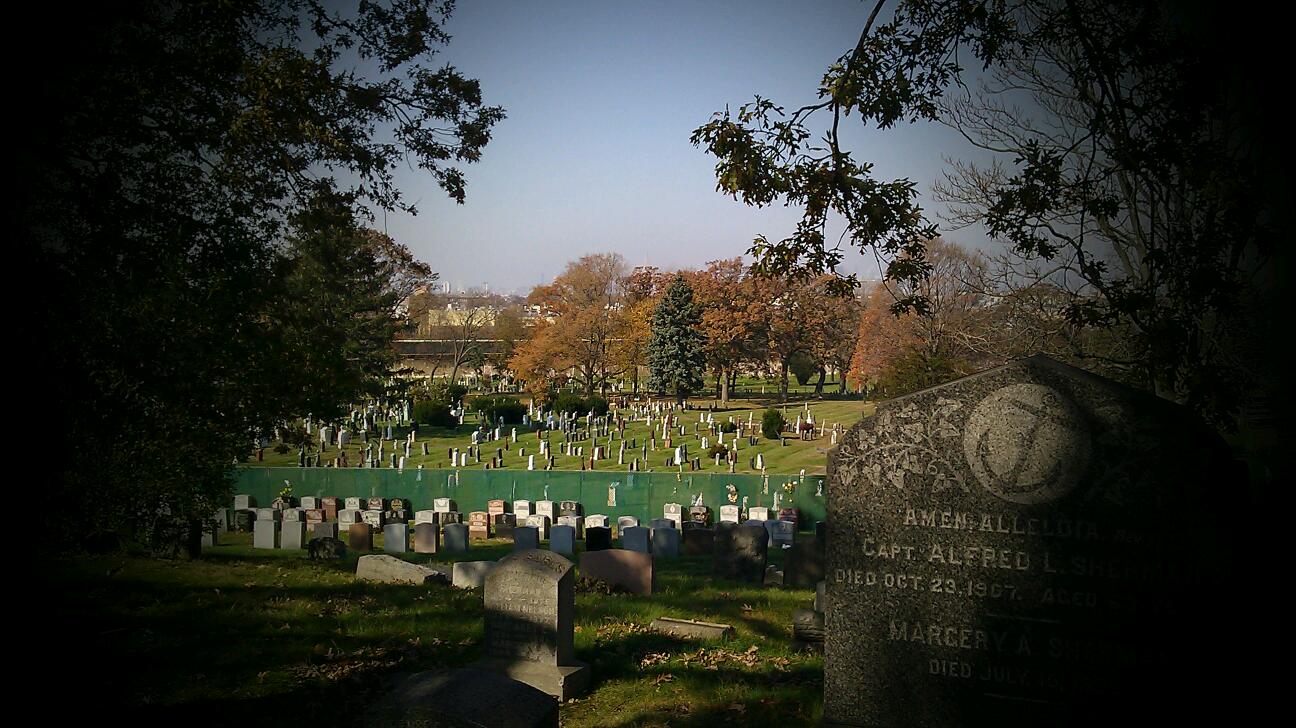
(265, 637)
(781, 459)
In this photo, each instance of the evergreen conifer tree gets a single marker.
(675, 357)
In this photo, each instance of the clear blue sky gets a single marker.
(595, 156)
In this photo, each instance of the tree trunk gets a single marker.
(819, 384)
(724, 386)
(783, 380)
(841, 385)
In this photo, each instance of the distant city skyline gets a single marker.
(594, 156)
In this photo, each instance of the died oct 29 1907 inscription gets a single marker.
(1027, 544)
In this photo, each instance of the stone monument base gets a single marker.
(562, 681)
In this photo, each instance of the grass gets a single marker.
(272, 637)
(790, 459)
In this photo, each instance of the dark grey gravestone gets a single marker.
(464, 698)
(396, 538)
(804, 564)
(454, 538)
(666, 542)
(740, 553)
(504, 524)
(562, 539)
(657, 523)
(698, 541)
(530, 600)
(526, 538)
(598, 538)
(636, 538)
(324, 530)
(1030, 545)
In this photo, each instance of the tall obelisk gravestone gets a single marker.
(1030, 545)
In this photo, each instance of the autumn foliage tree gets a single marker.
(733, 318)
(585, 320)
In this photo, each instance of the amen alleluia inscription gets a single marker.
(1030, 545)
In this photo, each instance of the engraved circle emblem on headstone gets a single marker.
(1026, 444)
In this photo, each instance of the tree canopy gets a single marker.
(196, 174)
(1114, 167)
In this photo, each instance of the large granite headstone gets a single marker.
(1030, 545)
(529, 601)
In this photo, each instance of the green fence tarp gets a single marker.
(611, 493)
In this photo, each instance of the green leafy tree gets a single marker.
(772, 423)
(676, 353)
(171, 200)
(803, 367)
(1118, 165)
(339, 312)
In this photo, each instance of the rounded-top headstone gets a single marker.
(1030, 545)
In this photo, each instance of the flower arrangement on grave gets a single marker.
(285, 497)
(733, 493)
(790, 488)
